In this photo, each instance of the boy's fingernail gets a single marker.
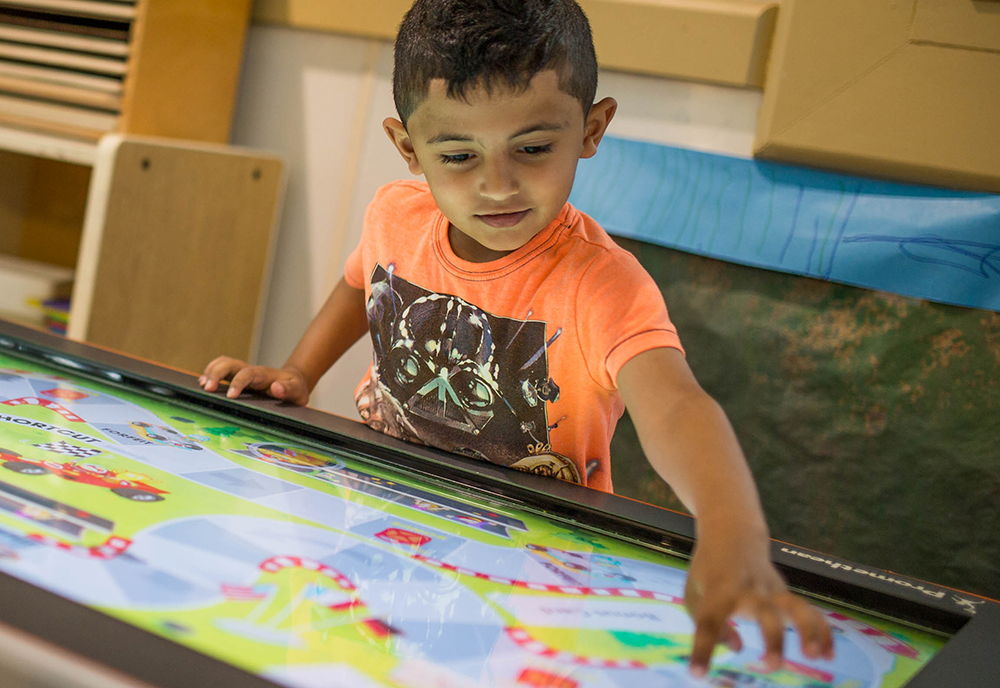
(698, 670)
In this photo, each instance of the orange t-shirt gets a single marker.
(513, 361)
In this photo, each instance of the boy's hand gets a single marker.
(688, 440)
(739, 580)
(286, 384)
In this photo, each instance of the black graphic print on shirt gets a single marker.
(450, 375)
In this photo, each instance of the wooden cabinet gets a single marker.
(84, 84)
(85, 68)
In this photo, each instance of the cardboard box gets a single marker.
(962, 23)
(720, 41)
(902, 89)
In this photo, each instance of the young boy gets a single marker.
(506, 324)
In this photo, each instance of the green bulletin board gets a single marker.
(869, 419)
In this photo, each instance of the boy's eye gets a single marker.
(455, 159)
(537, 150)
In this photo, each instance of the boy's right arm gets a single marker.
(339, 324)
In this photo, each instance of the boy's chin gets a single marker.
(489, 245)
(508, 244)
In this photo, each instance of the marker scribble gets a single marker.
(982, 255)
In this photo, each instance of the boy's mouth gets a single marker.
(502, 220)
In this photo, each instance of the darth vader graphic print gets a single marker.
(449, 375)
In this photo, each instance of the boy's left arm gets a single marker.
(689, 441)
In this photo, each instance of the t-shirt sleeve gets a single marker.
(354, 270)
(620, 314)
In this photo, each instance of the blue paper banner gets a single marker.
(919, 241)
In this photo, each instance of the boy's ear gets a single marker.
(400, 138)
(597, 123)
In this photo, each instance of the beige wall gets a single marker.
(318, 99)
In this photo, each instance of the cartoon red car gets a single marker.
(123, 483)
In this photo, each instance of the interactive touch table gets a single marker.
(185, 539)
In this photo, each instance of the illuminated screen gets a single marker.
(313, 567)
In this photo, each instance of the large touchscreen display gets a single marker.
(316, 568)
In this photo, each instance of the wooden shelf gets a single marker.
(88, 8)
(43, 75)
(86, 68)
(149, 225)
(55, 39)
(48, 146)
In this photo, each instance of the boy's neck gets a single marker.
(467, 248)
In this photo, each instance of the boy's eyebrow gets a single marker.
(540, 126)
(443, 138)
(531, 129)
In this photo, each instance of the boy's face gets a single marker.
(500, 166)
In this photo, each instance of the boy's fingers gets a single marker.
(772, 629)
(825, 639)
(287, 392)
(211, 380)
(291, 390)
(236, 385)
(247, 377)
(218, 364)
(806, 623)
(731, 637)
(208, 368)
(707, 631)
(242, 377)
(218, 370)
(817, 639)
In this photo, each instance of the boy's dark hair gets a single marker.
(492, 43)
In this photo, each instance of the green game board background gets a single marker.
(196, 628)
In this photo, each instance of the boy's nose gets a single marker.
(498, 182)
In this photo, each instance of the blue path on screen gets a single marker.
(922, 241)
